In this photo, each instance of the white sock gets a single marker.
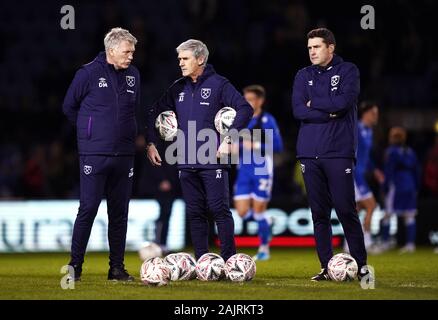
(264, 248)
(260, 216)
(367, 238)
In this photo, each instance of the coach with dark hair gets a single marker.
(324, 99)
(101, 103)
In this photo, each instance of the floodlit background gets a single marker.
(250, 42)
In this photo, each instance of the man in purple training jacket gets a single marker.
(196, 98)
(100, 103)
(324, 99)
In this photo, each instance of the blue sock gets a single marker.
(385, 231)
(249, 216)
(264, 231)
(410, 232)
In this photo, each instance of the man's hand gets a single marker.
(153, 155)
(225, 147)
(308, 103)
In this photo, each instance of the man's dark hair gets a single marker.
(365, 106)
(324, 33)
(257, 89)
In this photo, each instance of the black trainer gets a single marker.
(322, 276)
(119, 274)
(76, 273)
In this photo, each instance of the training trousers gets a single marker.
(329, 184)
(207, 190)
(100, 176)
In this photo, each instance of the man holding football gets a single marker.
(101, 102)
(324, 99)
(196, 98)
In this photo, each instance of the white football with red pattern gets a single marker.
(240, 267)
(182, 266)
(155, 272)
(210, 267)
(342, 267)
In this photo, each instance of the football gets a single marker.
(182, 266)
(224, 119)
(342, 267)
(149, 250)
(155, 272)
(240, 267)
(210, 267)
(167, 125)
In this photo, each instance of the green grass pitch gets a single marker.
(284, 277)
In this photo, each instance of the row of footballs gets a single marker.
(209, 267)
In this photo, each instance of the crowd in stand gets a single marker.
(253, 42)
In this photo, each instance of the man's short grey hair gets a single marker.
(117, 35)
(198, 48)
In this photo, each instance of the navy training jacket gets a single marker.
(199, 102)
(101, 102)
(328, 128)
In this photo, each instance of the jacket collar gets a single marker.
(208, 71)
(101, 58)
(335, 60)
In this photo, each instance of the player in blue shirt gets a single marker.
(368, 118)
(401, 186)
(252, 190)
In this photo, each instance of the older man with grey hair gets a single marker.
(101, 103)
(196, 98)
